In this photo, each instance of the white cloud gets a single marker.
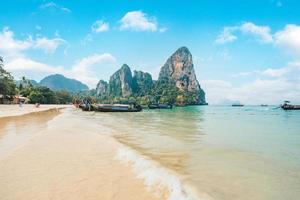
(27, 67)
(253, 93)
(12, 47)
(138, 21)
(263, 33)
(100, 26)
(289, 39)
(293, 68)
(48, 45)
(84, 70)
(54, 6)
(227, 35)
(270, 86)
(81, 70)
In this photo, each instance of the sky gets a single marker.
(245, 51)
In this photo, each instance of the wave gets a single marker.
(163, 182)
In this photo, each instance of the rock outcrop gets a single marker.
(102, 88)
(120, 83)
(177, 83)
(179, 70)
(143, 83)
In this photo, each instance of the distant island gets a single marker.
(177, 84)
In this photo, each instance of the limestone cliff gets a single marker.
(120, 83)
(179, 70)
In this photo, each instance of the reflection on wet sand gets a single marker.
(15, 131)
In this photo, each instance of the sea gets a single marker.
(211, 152)
(196, 152)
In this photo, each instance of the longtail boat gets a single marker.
(118, 108)
(288, 106)
(160, 106)
(237, 105)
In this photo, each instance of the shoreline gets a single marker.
(8, 111)
(68, 158)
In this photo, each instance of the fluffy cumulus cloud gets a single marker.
(138, 21)
(11, 47)
(100, 26)
(82, 70)
(289, 39)
(261, 33)
(48, 45)
(270, 86)
(18, 62)
(24, 66)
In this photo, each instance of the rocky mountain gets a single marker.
(120, 83)
(179, 72)
(177, 83)
(60, 82)
(102, 88)
(143, 82)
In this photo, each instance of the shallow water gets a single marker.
(16, 131)
(209, 152)
(225, 152)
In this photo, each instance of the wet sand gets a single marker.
(66, 159)
(16, 110)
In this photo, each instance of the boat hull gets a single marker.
(160, 106)
(112, 108)
(290, 107)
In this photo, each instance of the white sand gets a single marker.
(16, 110)
(68, 159)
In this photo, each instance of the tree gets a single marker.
(7, 84)
(63, 97)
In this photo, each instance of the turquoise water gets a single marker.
(225, 152)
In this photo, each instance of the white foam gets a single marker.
(156, 178)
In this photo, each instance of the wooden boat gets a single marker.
(118, 108)
(288, 106)
(86, 107)
(160, 106)
(237, 105)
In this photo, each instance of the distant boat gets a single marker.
(288, 106)
(160, 106)
(264, 105)
(237, 105)
(118, 108)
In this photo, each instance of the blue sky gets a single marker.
(247, 51)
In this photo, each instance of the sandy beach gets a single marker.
(16, 110)
(62, 158)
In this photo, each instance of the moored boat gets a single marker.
(160, 106)
(118, 108)
(237, 105)
(288, 106)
